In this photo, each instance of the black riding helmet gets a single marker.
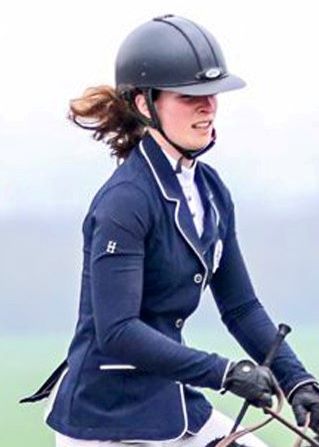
(175, 54)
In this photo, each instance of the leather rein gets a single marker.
(274, 414)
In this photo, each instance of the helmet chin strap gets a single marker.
(156, 124)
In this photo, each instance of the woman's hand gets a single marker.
(254, 383)
(305, 399)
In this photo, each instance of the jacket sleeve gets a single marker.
(122, 220)
(246, 318)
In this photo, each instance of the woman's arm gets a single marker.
(246, 318)
(122, 219)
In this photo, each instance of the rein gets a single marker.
(230, 440)
(274, 414)
(232, 437)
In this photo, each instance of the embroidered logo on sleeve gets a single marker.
(111, 246)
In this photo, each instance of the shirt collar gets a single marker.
(186, 175)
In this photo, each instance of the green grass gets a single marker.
(27, 361)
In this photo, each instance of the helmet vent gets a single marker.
(208, 42)
(185, 36)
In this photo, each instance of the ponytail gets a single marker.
(104, 110)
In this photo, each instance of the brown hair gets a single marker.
(104, 110)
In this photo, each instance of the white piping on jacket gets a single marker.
(116, 367)
(147, 441)
(222, 387)
(177, 201)
(216, 212)
(298, 385)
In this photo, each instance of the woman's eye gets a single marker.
(187, 97)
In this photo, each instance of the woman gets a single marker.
(158, 232)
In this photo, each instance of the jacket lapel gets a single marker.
(172, 192)
(211, 216)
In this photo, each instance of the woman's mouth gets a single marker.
(205, 124)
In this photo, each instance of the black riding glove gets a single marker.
(254, 383)
(305, 399)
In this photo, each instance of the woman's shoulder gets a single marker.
(127, 189)
(120, 193)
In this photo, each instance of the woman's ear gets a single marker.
(141, 105)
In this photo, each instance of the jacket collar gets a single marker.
(170, 188)
(161, 169)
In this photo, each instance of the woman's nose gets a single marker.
(209, 102)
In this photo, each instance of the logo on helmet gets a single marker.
(212, 73)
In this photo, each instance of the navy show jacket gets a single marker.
(129, 375)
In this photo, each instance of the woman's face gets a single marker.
(187, 120)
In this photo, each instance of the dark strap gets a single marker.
(46, 388)
(156, 124)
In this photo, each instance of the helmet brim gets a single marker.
(224, 84)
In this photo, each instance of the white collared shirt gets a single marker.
(186, 179)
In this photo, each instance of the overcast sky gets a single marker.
(268, 138)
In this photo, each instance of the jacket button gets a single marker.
(198, 278)
(179, 323)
